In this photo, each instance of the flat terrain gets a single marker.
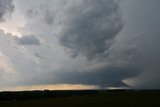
(114, 98)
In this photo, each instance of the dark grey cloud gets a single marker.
(89, 29)
(150, 59)
(143, 16)
(104, 77)
(90, 26)
(28, 40)
(6, 8)
(122, 61)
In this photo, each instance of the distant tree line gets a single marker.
(30, 95)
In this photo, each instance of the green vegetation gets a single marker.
(114, 98)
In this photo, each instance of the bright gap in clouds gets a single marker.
(14, 32)
(51, 87)
(14, 23)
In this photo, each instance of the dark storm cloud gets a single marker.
(104, 77)
(6, 8)
(28, 40)
(104, 52)
(144, 16)
(90, 26)
(89, 29)
(122, 61)
(150, 57)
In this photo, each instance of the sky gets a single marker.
(79, 44)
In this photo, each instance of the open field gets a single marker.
(95, 98)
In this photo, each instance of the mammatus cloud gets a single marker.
(6, 8)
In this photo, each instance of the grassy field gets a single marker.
(113, 98)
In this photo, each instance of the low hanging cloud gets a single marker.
(28, 40)
(6, 8)
(103, 77)
(122, 61)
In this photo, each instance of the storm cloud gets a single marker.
(108, 43)
(6, 8)
(104, 77)
(89, 26)
(88, 29)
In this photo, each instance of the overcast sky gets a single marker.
(85, 43)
